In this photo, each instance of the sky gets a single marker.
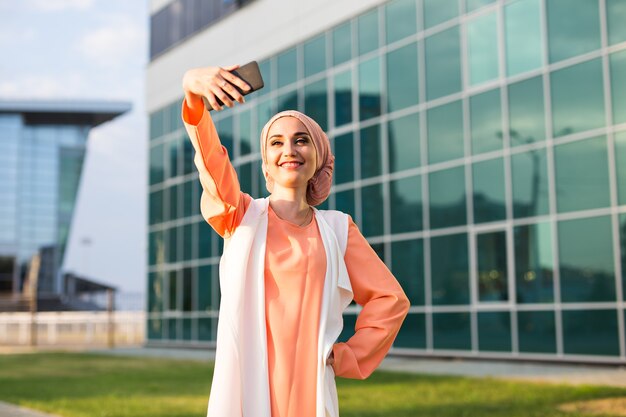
(91, 50)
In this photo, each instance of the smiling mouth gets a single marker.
(291, 164)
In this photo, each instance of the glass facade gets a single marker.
(479, 147)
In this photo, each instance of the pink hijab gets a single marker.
(319, 185)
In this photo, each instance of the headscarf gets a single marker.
(319, 185)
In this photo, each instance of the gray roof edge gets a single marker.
(65, 106)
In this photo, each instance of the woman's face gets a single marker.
(291, 155)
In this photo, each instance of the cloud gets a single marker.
(113, 45)
(43, 86)
(59, 5)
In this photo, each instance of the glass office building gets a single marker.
(42, 148)
(479, 147)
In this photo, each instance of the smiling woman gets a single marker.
(288, 270)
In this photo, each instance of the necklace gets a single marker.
(306, 217)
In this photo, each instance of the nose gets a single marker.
(289, 149)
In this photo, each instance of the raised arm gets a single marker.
(222, 203)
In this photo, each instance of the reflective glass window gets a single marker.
(186, 328)
(344, 201)
(349, 321)
(452, 331)
(205, 329)
(344, 158)
(522, 26)
(445, 132)
(408, 267)
(586, 260)
(482, 48)
(189, 189)
(172, 291)
(261, 185)
(529, 175)
(187, 288)
(156, 248)
(157, 165)
(316, 102)
(536, 331)
(188, 242)
(472, 5)
(244, 172)
(246, 144)
(176, 122)
(590, 332)
(205, 288)
(155, 329)
(534, 263)
(577, 98)
(369, 88)
(618, 85)
(449, 270)
(372, 210)
(489, 197)
(205, 240)
(443, 63)
(315, 55)
(412, 334)
(622, 231)
(156, 124)
(265, 109)
(573, 28)
(156, 207)
(188, 155)
(225, 130)
(406, 204)
(172, 193)
(342, 43)
(400, 19)
(620, 166)
(582, 175)
(439, 11)
(486, 122)
(343, 98)
(367, 26)
(174, 157)
(615, 16)
(287, 67)
(492, 267)
(155, 292)
(402, 82)
(266, 73)
(371, 156)
(494, 331)
(404, 142)
(526, 112)
(447, 198)
(172, 327)
(288, 101)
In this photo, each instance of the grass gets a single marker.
(87, 385)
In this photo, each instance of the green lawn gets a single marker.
(85, 385)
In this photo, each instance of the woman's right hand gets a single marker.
(213, 83)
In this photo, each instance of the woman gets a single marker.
(288, 270)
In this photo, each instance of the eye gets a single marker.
(302, 140)
(275, 143)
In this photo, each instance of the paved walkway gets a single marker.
(10, 410)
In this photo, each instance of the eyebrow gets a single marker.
(295, 134)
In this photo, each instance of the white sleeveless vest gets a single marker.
(240, 385)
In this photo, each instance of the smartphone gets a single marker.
(251, 74)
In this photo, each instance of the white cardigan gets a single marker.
(240, 385)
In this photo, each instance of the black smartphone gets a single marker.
(251, 74)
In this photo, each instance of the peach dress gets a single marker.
(295, 269)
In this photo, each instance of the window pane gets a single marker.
(412, 334)
(205, 240)
(577, 98)
(343, 98)
(265, 110)
(288, 101)
(439, 11)
(620, 167)
(402, 89)
(205, 289)
(406, 204)
(371, 164)
(188, 190)
(526, 112)
(447, 198)
(187, 288)
(344, 158)
(174, 157)
(492, 267)
(315, 55)
(155, 292)
(401, 19)
(172, 192)
(622, 231)
(615, 16)
(156, 254)
(408, 267)
(156, 207)
(524, 48)
(573, 27)
(494, 331)
(266, 73)
(582, 175)
(344, 201)
(449, 269)
(156, 124)
(537, 331)
(246, 144)
(489, 198)
(225, 130)
(287, 67)
(482, 47)
(342, 43)
(443, 63)
(173, 289)
(452, 331)
(372, 210)
(472, 5)
(404, 143)
(205, 330)
(316, 102)
(157, 165)
(445, 132)
(529, 172)
(244, 172)
(369, 88)
(590, 332)
(586, 260)
(534, 264)
(486, 122)
(618, 85)
(368, 32)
